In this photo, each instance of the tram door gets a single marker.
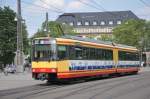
(115, 57)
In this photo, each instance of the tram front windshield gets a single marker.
(42, 51)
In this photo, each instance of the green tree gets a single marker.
(132, 32)
(39, 33)
(68, 30)
(8, 35)
(147, 36)
(105, 37)
(55, 29)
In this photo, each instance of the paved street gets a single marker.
(16, 80)
(127, 87)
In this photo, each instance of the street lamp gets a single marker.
(141, 50)
(19, 59)
(142, 44)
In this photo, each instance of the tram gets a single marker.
(71, 57)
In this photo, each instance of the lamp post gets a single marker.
(141, 50)
(142, 44)
(19, 52)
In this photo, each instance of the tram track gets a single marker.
(23, 93)
(104, 90)
(79, 89)
(30, 94)
(82, 89)
(37, 91)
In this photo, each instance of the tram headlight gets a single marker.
(53, 70)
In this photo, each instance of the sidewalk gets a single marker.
(25, 79)
(144, 69)
(17, 80)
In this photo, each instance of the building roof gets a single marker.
(96, 16)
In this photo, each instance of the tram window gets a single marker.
(71, 52)
(99, 54)
(96, 54)
(102, 54)
(128, 56)
(92, 53)
(42, 55)
(62, 52)
(137, 56)
(111, 55)
(108, 55)
(85, 53)
(122, 55)
(37, 54)
(78, 53)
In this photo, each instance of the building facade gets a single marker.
(95, 23)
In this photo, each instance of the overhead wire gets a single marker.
(142, 1)
(97, 7)
(57, 10)
(87, 4)
(94, 2)
(41, 6)
(52, 6)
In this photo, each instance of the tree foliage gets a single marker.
(8, 35)
(105, 37)
(55, 29)
(133, 33)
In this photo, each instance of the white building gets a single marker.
(95, 23)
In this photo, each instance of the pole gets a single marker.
(141, 63)
(47, 23)
(19, 54)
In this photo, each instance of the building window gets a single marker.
(71, 23)
(86, 23)
(118, 22)
(110, 22)
(79, 23)
(102, 23)
(94, 23)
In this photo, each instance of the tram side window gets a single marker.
(103, 55)
(92, 53)
(128, 56)
(71, 52)
(78, 52)
(85, 53)
(122, 55)
(137, 57)
(98, 54)
(108, 55)
(62, 52)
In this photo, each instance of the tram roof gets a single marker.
(93, 41)
(98, 41)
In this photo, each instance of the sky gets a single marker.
(33, 11)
